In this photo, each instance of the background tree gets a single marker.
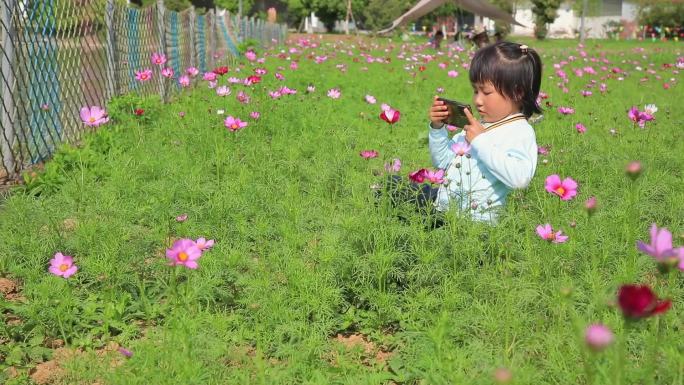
(379, 14)
(507, 6)
(661, 13)
(545, 12)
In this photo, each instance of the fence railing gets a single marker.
(57, 56)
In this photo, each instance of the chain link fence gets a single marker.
(57, 56)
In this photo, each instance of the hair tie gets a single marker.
(524, 48)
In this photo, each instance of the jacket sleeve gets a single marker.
(440, 147)
(514, 165)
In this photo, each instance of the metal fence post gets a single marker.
(112, 62)
(161, 27)
(9, 107)
(193, 47)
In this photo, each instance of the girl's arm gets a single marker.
(440, 147)
(514, 165)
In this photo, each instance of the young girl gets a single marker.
(488, 158)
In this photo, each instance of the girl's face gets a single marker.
(492, 105)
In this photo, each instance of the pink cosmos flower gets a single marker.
(368, 154)
(580, 128)
(182, 218)
(254, 115)
(590, 205)
(192, 71)
(542, 150)
(234, 124)
(184, 81)
(242, 97)
(294, 65)
(94, 116)
(390, 116)
(158, 59)
(385, 107)
(310, 88)
(586, 93)
(566, 189)
(452, 74)
(566, 110)
(546, 232)
(279, 76)
(143, 75)
(660, 247)
(250, 55)
(209, 76)
(223, 91)
(184, 252)
(260, 71)
(204, 244)
(62, 265)
(633, 169)
(598, 337)
(434, 177)
(334, 93)
(370, 99)
(284, 90)
(274, 94)
(460, 148)
(167, 72)
(125, 352)
(395, 166)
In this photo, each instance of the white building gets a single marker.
(567, 22)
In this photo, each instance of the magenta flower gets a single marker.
(125, 352)
(542, 150)
(418, 176)
(633, 114)
(167, 72)
(204, 244)
(368, 154)
(370, 99)
(192, 71)
(452, 74)
(334, 93)
(184, 252)
(660, 247)
(210, 76)
(546, 233)
(633, 169)
(62, 265)
(94, 116)
(395, 166)
(566, 189)
(434, 177)
(158, 59)
(254, 115)
(580, 128)
(460, 148)
(184, 81)
(234, 124)
(566, 110)
(250, 55)
(598, 337)
(182, 218)
(144, 75)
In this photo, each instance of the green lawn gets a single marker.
(307, 263)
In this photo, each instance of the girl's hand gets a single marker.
(473, 128)
(438, 112)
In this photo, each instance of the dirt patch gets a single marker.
(292, 38)
(10, 290)
(371, 353)
(46, 372)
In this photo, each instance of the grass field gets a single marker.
(313, 281)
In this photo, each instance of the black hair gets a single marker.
(514, 70)
(439, 33)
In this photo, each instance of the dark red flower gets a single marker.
(422, 68)
(139, 111)
(639, 301)
(418, 176)
(220, 70)
(254, 79)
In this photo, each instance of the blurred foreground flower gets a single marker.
(638, 302)
(598, 337)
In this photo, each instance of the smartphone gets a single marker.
(457, 116)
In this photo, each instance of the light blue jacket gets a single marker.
(500, 159)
